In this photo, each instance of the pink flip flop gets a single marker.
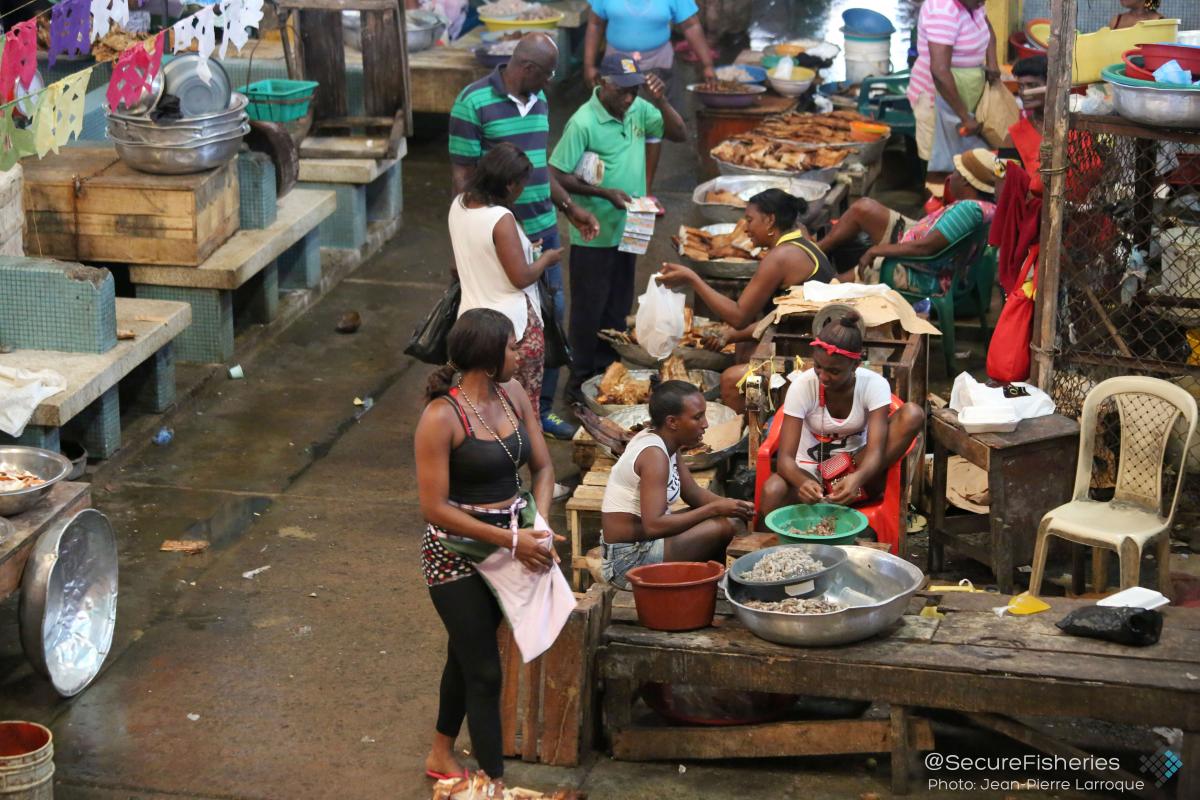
(442, 776)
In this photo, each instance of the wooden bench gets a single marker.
(587, 499)
(63, 501)
(370, 199)
(257, 262)
(996, 670)
(90, 406)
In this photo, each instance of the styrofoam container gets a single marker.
(1135, 597)
(988, 419)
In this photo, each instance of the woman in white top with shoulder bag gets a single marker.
(648, 478)
(495, 261)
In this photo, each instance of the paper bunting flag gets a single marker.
(69, 110)
(44, 120)
(107, 12)
(201, 29)
(14, 142)
(70, 26)
(134, 72)
(19, 61)
(238, 17)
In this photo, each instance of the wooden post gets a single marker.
(1054, 166)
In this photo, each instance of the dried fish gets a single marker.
(781, 565)
(796, 605)
(826, 527)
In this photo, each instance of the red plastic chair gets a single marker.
(883, 515)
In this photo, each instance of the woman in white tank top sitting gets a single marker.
(648, 478)
(838, 440)
(495, 260)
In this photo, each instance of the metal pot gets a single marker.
(629, 416)
(237, 105)
(746, 186)
(422, 29)
(69, 601)
(708, 381)
(176, 135)
(873, 586)
(812, 584)
(49, 466)
(181, 159)
(1168, 108)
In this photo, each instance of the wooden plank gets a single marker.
(510, 717)
(941, 676)
(770, 740)
(566, 684)
(375, 147)
(63, 500)
(531, 681)
(154, 323)
(324, 55)
(1038, 632)
(344, 170)
(383, 80)
(244, 255)
(902, 747)
(1176, 617)
(439, 74)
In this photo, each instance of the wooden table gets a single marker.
(715, 125)
(1030, 471)
(993, 669)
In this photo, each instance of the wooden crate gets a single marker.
(12, 214)
(547, 707)
(85, 204)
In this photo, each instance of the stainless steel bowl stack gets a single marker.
(192, 143)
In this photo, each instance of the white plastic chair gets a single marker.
(1148, 409)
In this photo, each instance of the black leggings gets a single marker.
(471, 678)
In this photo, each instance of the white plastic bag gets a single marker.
(968, 392)
(659, 325)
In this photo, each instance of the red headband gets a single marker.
(834, 350)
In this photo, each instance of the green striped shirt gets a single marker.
(485, 115)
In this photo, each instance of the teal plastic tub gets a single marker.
(278, 99)
(790, 521)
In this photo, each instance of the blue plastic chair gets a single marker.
(883, 98)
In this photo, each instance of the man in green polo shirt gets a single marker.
(614, 125)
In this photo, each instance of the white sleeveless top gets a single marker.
(485, 284)
(624, 489)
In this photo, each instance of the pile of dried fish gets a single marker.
(14, 480)
(826, 527)
(757, 151)
(619, 388)
(831, 128)
(700, 245)
(781, 565)
(796, 605)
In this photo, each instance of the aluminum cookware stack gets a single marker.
(206, 133)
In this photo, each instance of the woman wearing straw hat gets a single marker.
(973, 186)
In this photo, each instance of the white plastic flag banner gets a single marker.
(201, 29)
(105, 13)
(238, 16)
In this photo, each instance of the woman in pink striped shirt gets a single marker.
(956, 56)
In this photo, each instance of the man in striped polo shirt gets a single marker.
(509, 106)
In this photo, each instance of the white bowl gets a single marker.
(788, 88)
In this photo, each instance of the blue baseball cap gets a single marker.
(624, 71)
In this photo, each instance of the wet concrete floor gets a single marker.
(317, 677)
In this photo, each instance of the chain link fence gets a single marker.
(1129, 295)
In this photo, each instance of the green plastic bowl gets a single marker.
(850, 523)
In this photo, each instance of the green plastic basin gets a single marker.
(849, 523)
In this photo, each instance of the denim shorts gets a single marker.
(620, 558)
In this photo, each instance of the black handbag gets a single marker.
(428, 342)
(558, 350)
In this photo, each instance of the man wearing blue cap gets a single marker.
(614, 125)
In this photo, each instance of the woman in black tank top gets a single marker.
(477, 430)
(772, 221)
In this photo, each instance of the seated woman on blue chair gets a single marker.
(838, 439)
(973, 189)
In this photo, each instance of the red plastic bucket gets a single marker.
(1135, 70)
(1020, 46)
(675, 596)
(1155, 55)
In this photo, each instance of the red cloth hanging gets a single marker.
(1008, 354)
(1017, 224)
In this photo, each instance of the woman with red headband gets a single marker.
(837, 440)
